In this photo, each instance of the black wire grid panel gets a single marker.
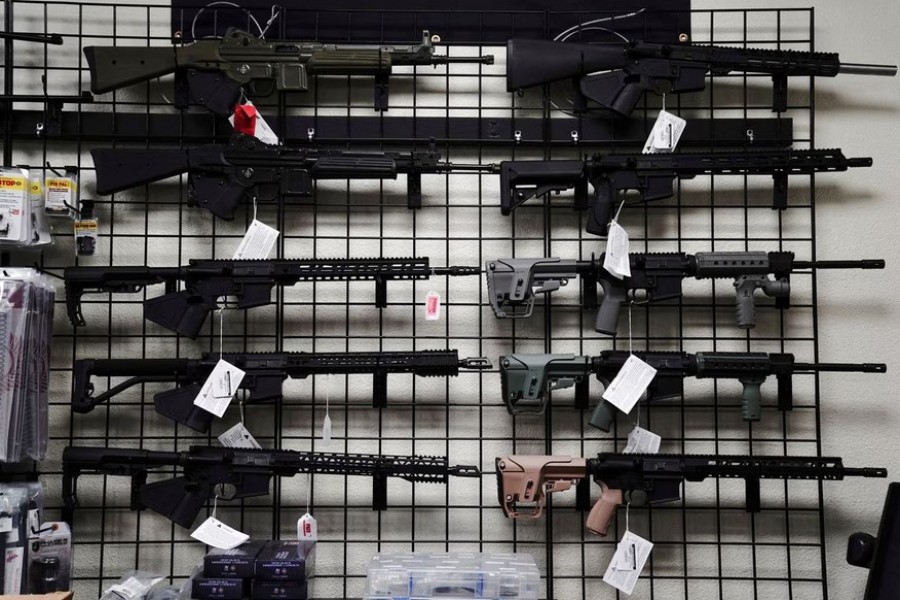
(705, 546)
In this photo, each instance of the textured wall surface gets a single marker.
(855, 216)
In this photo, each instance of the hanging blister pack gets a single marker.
(61, 193)
(86, 227)
(40, 226)
(15, 206)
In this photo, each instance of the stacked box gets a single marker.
(259, 570)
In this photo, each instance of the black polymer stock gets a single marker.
(616, 75)
(880, 554)
(250, 281)
(653, 176)
(526, 379)
(264, 379)
(235, 474)
(213, 73)
(220, 177)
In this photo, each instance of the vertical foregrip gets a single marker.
(751, 404)
(745, 307)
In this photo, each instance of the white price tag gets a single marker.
(630, 383)
(307, 533)
(219, 388)
(217, 534)
(34, 523)
(665, 134)
(5, 524)
(326, 428)
(616, 259)
(628, 562)
(257, 243)
(239, 437)
(642, 441)
(432, 306)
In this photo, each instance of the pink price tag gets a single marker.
(432, 306)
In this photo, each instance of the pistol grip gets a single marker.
(604, 511)
(614, 295)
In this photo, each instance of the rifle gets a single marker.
(648, 478)
(264, 379)
(251, 281)
(526, 378)
(513, 283)
(221, 176)
(631, 68)
(880, 554)
(209, 472)
(653, 176)
(212, 72)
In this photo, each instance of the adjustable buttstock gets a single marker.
(115, 67)
(521, 180)
(180, 312)
(120, 169)
(176, 499)
(536, 62)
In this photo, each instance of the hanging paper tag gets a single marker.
(616, 259)
(239, 437)
(432, 306)
(130, 588)
(34, 523)
(630, 383)
(257, 243)
(5, 524)
(628, 562)
(247, 119)
(665, 133)
(217, 534)
(219, 388)
(307, 533)
(326, 428)
(642, 441)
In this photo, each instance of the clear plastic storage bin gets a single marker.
(414, 575)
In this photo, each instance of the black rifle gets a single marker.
(513, 283)
(880, 554)
(616, 75)
(211, 72)
(207, 471)
(251, 281)
(647, 478)
(653, 176)
(221, 176)
(264, 379)
(526, 378)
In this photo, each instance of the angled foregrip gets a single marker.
(119, 169)
(616, 91)
(115, 67)
(751, 403)
(604, 511)
(601, 210)
(604, 416)
(177, 499)
(614, 295)
(180, 312)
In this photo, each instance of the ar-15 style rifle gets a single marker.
(653, 176)
(513, 283)
(207, 471)
(647, 478)
(616, 75)
(212, 72)
(221, 176)
(251, 281)
(264, 379)
(526, 378)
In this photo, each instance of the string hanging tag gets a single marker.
(631, 555)
(616, 259)
(217, 534)
(326, 422)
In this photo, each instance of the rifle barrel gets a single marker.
(839, 264)
(865, 69)
(841, 367)
(865, 472)
(449, 60)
